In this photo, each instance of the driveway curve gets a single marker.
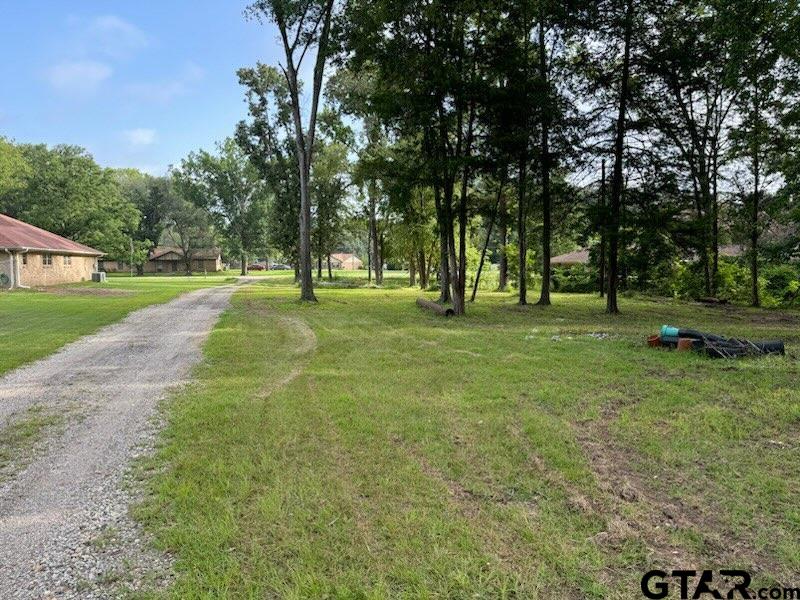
(52, 513)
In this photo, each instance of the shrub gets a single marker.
(733, 281)
(574, 279)
(781, 285)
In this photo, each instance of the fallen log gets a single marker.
(708, 300)
(444, 311)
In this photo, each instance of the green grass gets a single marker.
(34, 324)
(21, 435)
(505, 454)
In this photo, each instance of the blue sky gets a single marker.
(138, 83)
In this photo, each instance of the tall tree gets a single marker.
(303, 24)
(186, 222)
(147, 193)
(619, 146)
(766, 36)
(68, 193)
(231, 190)
(268, 140)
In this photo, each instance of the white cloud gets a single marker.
(139, 137)
(112, 36)
(164, 92)
(79, 77)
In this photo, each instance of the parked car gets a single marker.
(280, 267)
(256, 267)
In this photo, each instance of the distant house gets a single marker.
(347, 261)
(33, 257)
(581, 256)
(168, 259)
(578, 257)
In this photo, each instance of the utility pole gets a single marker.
(131, 265)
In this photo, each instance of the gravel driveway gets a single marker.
(63, 519)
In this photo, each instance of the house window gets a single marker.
(120, 265)
(47, 260)
(67, 261)
(24, 259)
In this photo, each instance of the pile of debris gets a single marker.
(714, 346)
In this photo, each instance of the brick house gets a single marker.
(33, 257)
(347, 261)
(167, 259)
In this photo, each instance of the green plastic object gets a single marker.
(668, 331)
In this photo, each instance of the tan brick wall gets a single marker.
(35, 273)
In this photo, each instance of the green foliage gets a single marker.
(328, 192)
(733, 281)
(67, 193)
(228, 186)
(147, 193)
(781, 285)
(187, 223)
(266, 139)
(14, 169)
(512, 252)
(575, 278)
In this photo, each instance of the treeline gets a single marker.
(209, 199)
(510, 113)
(216, 198)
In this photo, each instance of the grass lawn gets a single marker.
(34, 324)
(362, 448)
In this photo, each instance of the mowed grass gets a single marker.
(363, 448)
(34, 324)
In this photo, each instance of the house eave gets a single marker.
(52, 251)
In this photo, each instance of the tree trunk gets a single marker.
(380, 258)
(444, 252)
(244, 263)
(319, 266)
(423, 269)
(304, 142)
(451, 244)
(714, 227)
(616, 182)
(486, 243)
(503, 224)
(522, 215)
(412, 271)
(602, 214)
(544, 296)
(330, 272)
(755, 299)
(372, 192)
(369, 254)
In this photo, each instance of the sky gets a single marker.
(137, 83)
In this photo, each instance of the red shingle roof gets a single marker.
(16, 235)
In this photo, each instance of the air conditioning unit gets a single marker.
(99, 277)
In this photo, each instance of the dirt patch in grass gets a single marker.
(629, 499)
(752, 316)
(638, 503)
(85, 291)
